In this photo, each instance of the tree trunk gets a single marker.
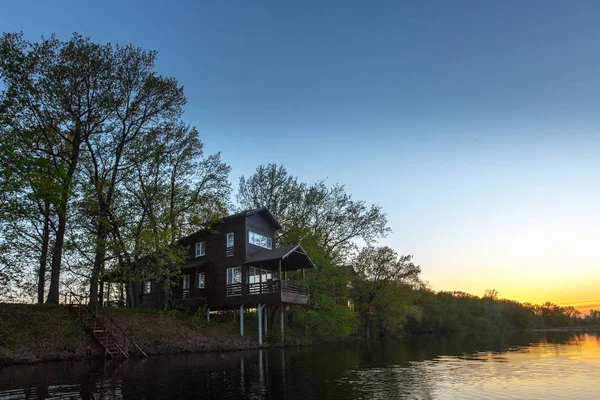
(62, 217)
(57, 258)
(99, 259)
(44, 253)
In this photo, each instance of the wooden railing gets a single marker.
(287, 286)
(234, 289)
(237, 289)
(70, 297)
(263, 287)
(121, 338)
(110, 335)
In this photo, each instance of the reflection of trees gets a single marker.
(61, 380)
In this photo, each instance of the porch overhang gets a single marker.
(292, 257)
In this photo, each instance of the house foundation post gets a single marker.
(208, 314)
(259, 314)
(241, 320)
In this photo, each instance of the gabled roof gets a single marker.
(294, 253)
(264, 210)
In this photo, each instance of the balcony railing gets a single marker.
(234, 289)
(237, 289)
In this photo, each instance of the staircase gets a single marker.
(106, 331)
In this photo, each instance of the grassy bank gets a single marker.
(35, 333)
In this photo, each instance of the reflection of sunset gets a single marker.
(541, 371)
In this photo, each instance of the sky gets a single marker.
(475, 125)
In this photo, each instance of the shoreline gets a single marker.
(33, 334)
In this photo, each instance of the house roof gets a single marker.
(292, 257)
(264, 210)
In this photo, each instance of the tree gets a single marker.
(381, 287)
(328, 214)
(58, 92)
(273, 187)
(99, 166)
(174, 191)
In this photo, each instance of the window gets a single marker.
(201, 280)
(230, 239)
(147, 287)
(253, 275)
(200, 249)
(234, 275)
(185, 282)
(266, 275)
(260, 240)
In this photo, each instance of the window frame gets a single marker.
(147, 287)
(201, 246)
(230, 234)
(232, 269)
(258, 241)
(203, 280)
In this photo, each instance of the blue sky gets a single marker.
(474, 124)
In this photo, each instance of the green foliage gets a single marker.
(97, 166)
(459, 312)
(327, 318)
(333, 218)
(382, 284)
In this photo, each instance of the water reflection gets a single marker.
(425, 367)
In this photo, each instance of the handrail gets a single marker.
(107, 332)
(125, 336)
(80, 299)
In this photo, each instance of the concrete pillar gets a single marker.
(208, 314)
(241, 320)
(259, 314)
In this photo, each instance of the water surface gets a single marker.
(553, 365)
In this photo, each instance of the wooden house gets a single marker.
(235, 264)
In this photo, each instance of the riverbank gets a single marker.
(37, 333)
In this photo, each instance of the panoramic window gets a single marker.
(234, 275)
(200, 249)
(260, 240)
(201, 280)
(147, 287)
(230, 239)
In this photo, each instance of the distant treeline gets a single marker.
(458, 311)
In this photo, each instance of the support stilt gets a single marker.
(241, 320)
(259, 310)
(208, 314)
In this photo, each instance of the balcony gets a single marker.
(289, 292)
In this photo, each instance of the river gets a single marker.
(532, 365)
